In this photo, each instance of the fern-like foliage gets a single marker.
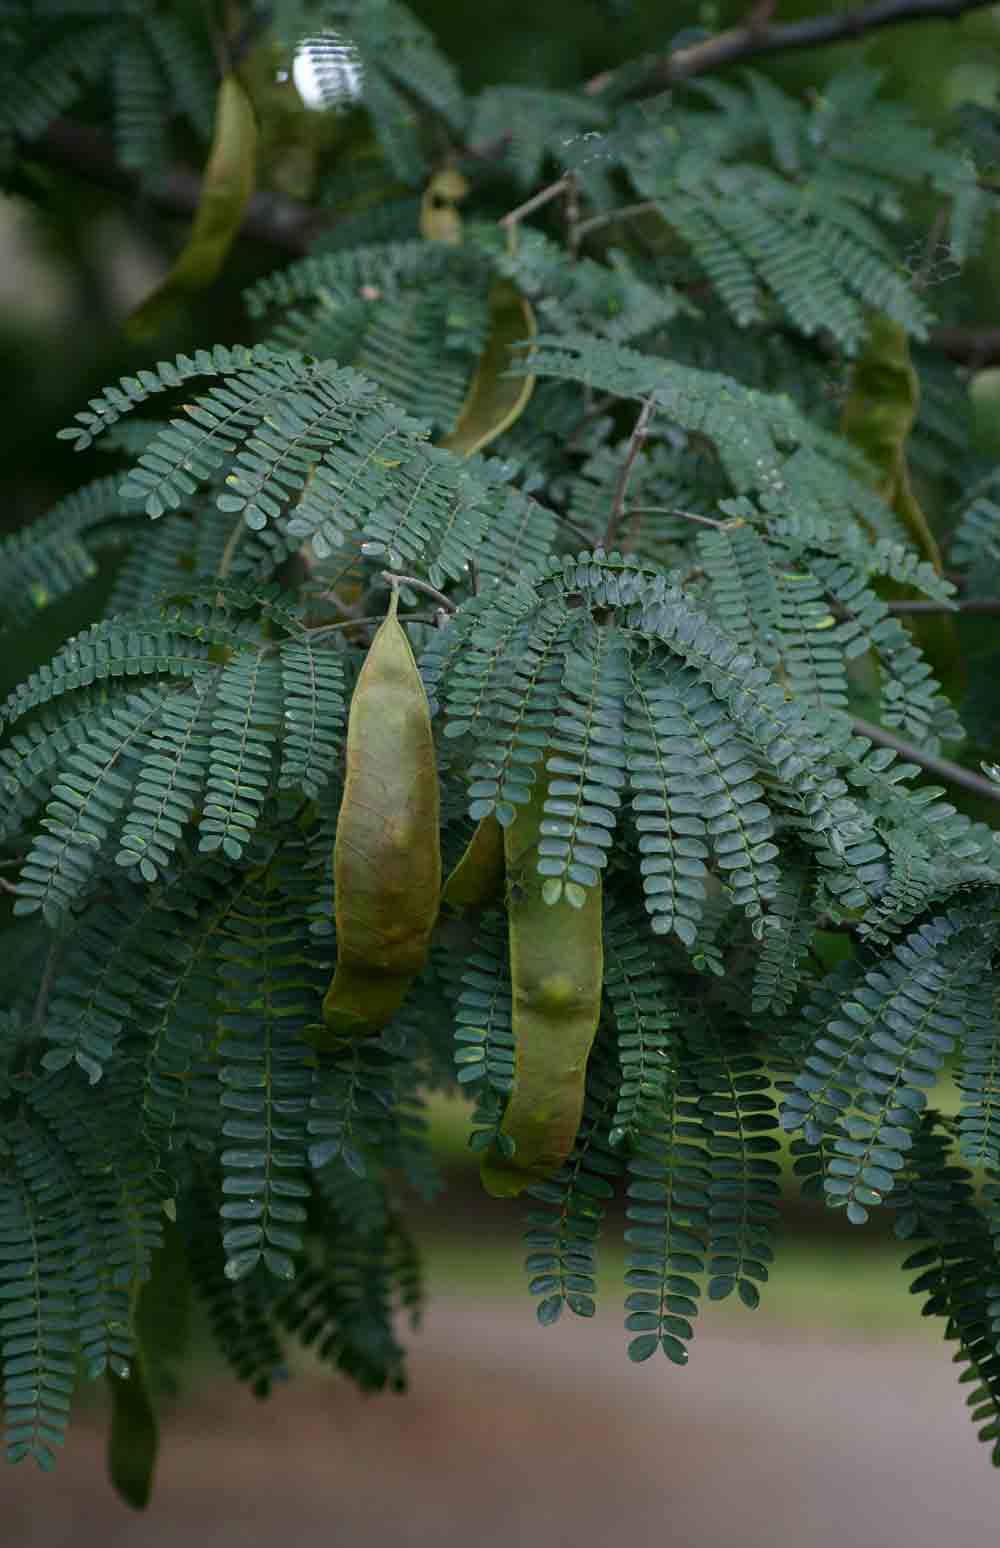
(155, 67)
(563, 1236)
(955, 1269)
(869, 1068)
(51, 557)
(665, 586)
(785, 205)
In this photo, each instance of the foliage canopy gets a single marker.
(653, 466)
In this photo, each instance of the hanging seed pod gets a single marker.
(387, 855)
(478, 877)
(556, 966)
(133, 1438)
(226, 190)
(878, 418)
(440, 218)
(496, 398)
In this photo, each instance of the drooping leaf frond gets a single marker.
(669, 592)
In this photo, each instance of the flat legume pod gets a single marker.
(387, 852)
(556, 965)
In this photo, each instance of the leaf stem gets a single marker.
(229, 552)
(942, 767)
(639, 434)
(972, 605)
(322, 630)
(41, 1009)
(544, 196)
(419, 585)
(646, 207)
(704, 521)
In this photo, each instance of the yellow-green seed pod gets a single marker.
(496, 398)
(879, 415)
(387, 853)
(440, 219)
(226, 190)
(556, 968)
(477, 879)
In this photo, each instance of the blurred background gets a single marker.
(829, 1415)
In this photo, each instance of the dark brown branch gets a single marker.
(751, 40)
(942, 768)
(974, 347)
(85, 152)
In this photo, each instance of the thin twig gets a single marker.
(974, 347)
(348, 610)
(943, 768)
(6, 886)
(625, 212)
(229, 552)
(419, 585)
(580, 533)
(638, 436)
(572, 207)
(973, 605)
(938, 227)
(751, 41)
(544, 196)
(322, 630)
(670, 510)
(41, 1009)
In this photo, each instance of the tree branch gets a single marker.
(85, 152)
(943, 768)
(751, 40)
(974, 347)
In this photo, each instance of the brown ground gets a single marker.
(512, 1435)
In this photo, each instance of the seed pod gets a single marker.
(440, 219)
(387, 854)
(478, 877)
(556, 966)
(878, 418)
(496, 398)
(134, 1435)
(226, 189)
